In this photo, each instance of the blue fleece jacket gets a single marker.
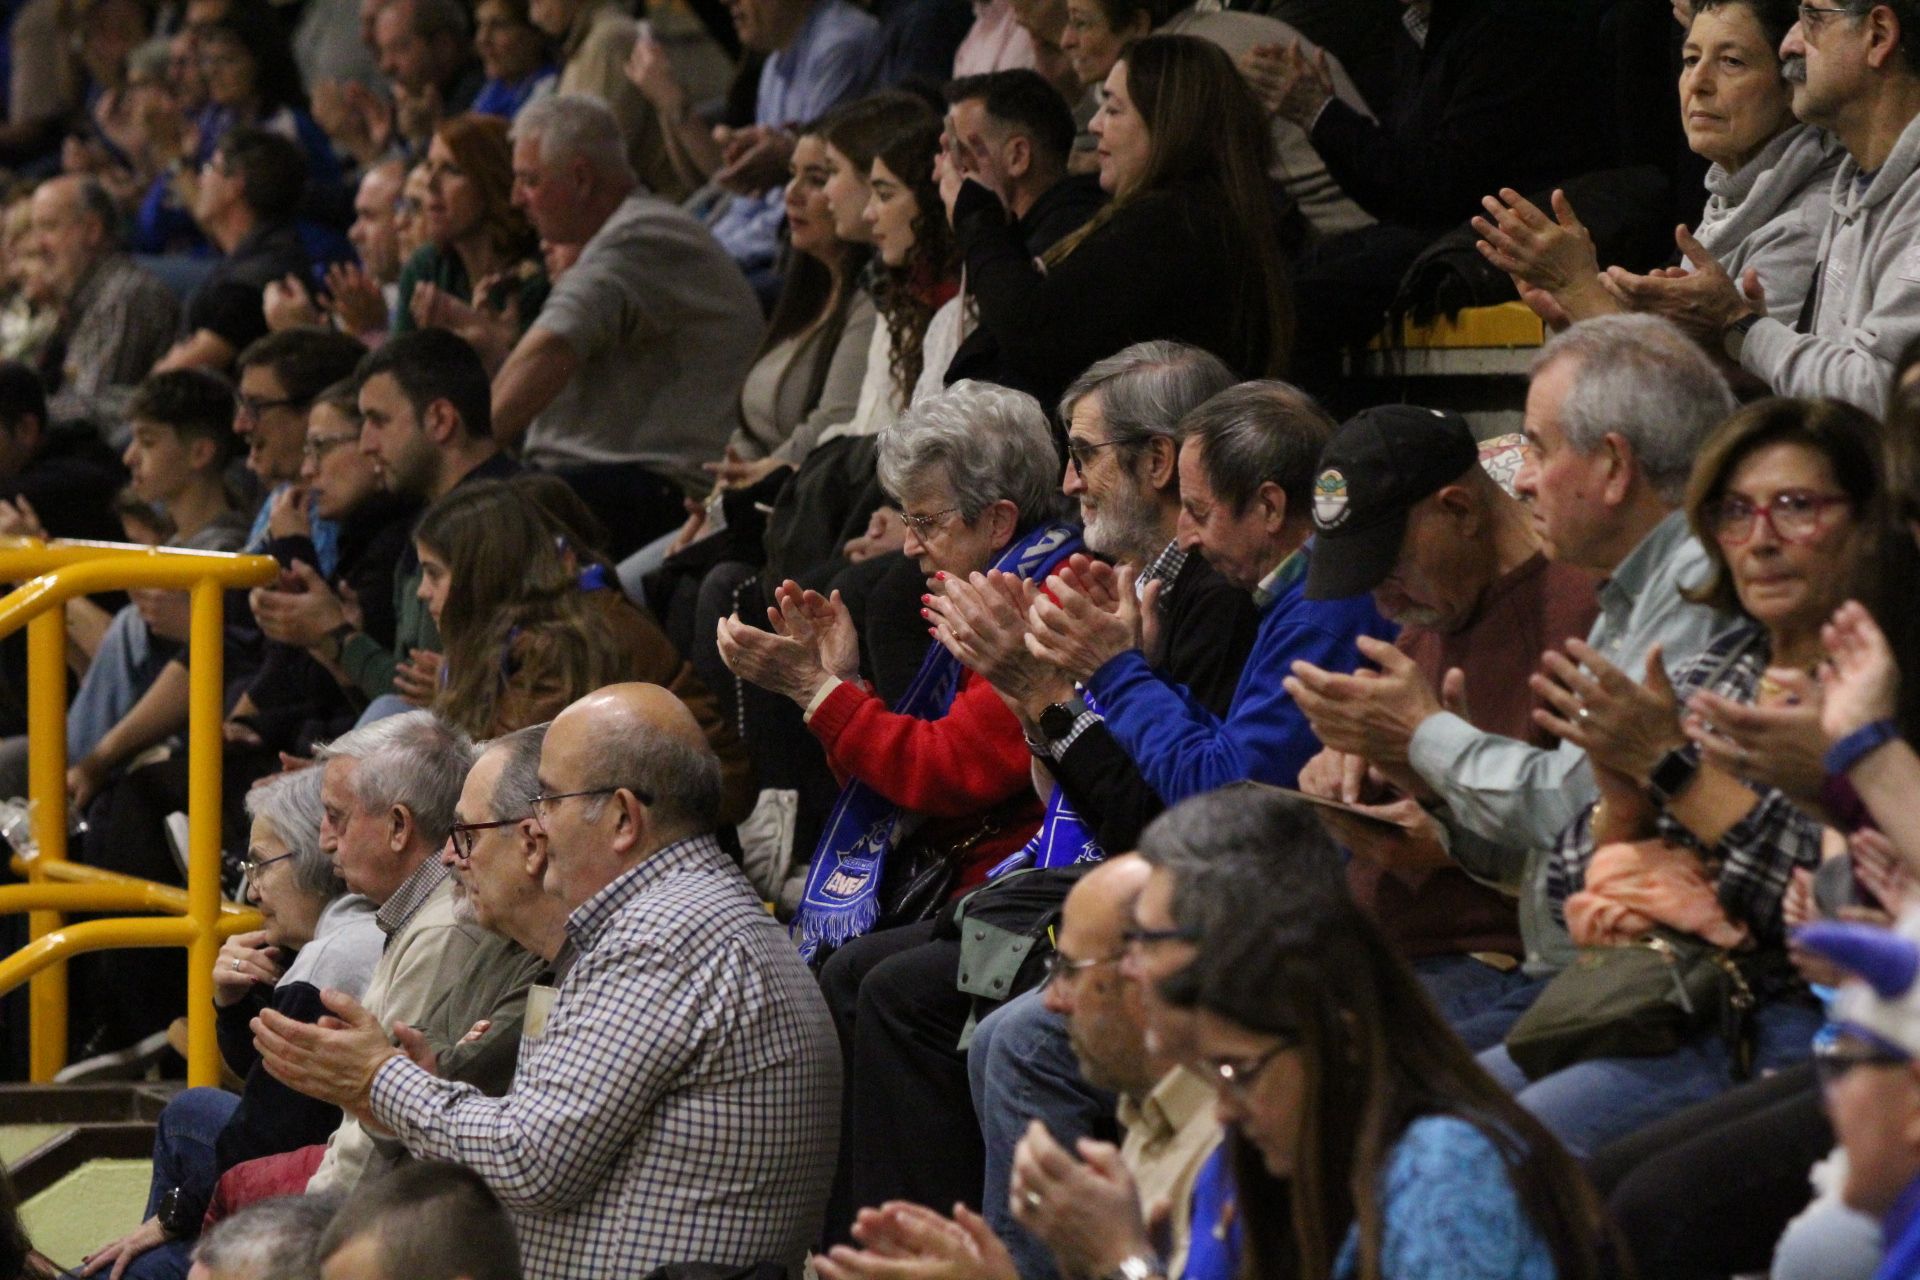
(1183, 749)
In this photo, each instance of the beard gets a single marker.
(1124, 524)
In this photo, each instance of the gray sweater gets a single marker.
(1868, 297)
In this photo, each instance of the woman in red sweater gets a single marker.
(937, 788)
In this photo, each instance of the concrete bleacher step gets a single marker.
(80, 1157)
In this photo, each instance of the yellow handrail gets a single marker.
(195, 918)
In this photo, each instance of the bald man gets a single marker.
(1166, 1111)
(115, 318)
(680, 1099)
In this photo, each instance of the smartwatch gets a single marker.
(1672, 773)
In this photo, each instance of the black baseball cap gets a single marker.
(1379, 463)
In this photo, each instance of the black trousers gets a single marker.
(908, 1131)
(1706, 1193)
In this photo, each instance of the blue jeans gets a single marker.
(123, 668)
(1022, 1068)
(1488, 1026)
(1592, 1103)
(1462, 987)
(183, 1156)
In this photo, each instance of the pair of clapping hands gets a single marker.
(1084, 1207)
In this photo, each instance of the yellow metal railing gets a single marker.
(50, 574)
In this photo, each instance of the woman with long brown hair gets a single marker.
(531, 621)
(1186, 250)
(1363, 1140)
(475, 239)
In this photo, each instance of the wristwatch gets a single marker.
(178, 1218)
(1057, 720)
(1671, 774)
(1139, 1266)
(338, 638)
(1734, 340)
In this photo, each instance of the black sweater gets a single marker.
(1166, 264)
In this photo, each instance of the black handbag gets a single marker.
(1640, 999)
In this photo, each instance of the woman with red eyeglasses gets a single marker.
(1785, 497)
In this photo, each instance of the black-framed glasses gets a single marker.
(1838, 1049)
(1794, 515)
(252, 867)
(1138, 937)
(543, 803)
(1062, 969)
(317, 448)
(1080, 452)
(466, 834)
(1814, 16)
(1238, 1074)
(256, 408)
(924, 526)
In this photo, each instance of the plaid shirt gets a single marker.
(683, 1101)
(412, 894)
(121, 319)
(1755, 859)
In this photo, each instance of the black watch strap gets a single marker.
(1672, 772)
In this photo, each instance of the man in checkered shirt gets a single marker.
(680, 1102)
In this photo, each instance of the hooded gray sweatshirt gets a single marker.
(1868, 303)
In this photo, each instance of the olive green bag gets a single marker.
(1637, 1000)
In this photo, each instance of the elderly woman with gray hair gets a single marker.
(936, 789)
(315, 935)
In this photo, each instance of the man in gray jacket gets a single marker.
(1855, 71)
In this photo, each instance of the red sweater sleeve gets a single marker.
(968, 760)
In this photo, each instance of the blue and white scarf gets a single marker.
(1063, 838)
(842, 900)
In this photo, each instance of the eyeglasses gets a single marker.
(1080, 452)
(543, 803)
(256, 408)
(1138, 937)
(317, 448)
(1839, 1049)
(466, 834)
(251, 868)
(924, 526)
(1813, 16)
(1796, 515)
(1061, 969)
(1238, 1074)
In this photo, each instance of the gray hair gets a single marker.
(1639, 377)
(290, 804)
(682, 778)
(1242, 845)
(415, 759)
(1260, 433)
(994, 443)
(433, 1220)
(574, 126)
(276, 1239)
(519, 780)
(1148, 388)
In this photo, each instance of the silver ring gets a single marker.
(1583, 715)
(1033, 1199)
(235, 962)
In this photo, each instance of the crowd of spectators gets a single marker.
(858, 679)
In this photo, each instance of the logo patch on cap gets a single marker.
(1330, 500)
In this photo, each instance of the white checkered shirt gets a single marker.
(683, 1104)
